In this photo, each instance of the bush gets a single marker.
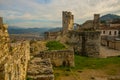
(29, 78)
(55, 45)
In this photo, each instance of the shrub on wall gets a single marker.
(55, 45)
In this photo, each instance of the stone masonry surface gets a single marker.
(85, 43)
(40, 69)
(59, 57)
(16, 66)
(13, 56)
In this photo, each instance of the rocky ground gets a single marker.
(40, 69)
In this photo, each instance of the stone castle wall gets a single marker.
(4, 48)
(13, 57)
(59, 58)
(51, 35)
(85, 43)
(16, 66)
(92, 24)
(112, 44)
(40, 69)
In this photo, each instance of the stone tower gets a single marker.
(67, 21)
(96, 21)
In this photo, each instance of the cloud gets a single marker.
(48, 13)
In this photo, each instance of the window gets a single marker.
(119, 33)
(115, 32)
(110, 33)
(103, 32)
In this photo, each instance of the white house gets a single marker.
(110, 31)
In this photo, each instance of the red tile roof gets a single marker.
(109, 28)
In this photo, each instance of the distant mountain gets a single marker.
(55, 29)
(13, 30)
(109, 17)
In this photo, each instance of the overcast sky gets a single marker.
(48, 13)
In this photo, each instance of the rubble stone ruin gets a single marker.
(86, 39)
(85, 43)
(59, 57)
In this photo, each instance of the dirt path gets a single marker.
(106, 52)
(90, 74)
(87, 74)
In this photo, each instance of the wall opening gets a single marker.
(109, 32)
(115, 32)
(119, 32)
(103, 32)
(107, 43)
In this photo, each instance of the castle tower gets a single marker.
(96, 21)
(67, 21)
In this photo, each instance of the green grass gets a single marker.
(29, 78)
(94, 63)
(91, 63)
(108, 65)
(55, 45)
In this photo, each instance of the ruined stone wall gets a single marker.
(37, 46)
(40, 69)
(92, 43)
(87, 25)
(13, 57)
(85, 43)
(4, 48)
(51, 35)
(16, 66)
(117, 45)
(59, 58)
(92, 24)
(112, 44)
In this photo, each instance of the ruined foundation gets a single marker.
(40, 69)
(59, 58)
(86, 43)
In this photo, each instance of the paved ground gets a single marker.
(106, 52)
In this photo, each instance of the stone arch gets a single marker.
(66, 63)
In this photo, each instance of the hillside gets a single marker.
(13, 30)
(109, 17)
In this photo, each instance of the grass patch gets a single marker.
(94, 63)
(110, 66)
(55, 45)
(29, 78)
(91, 63)
(61, 72)
(56, 75)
